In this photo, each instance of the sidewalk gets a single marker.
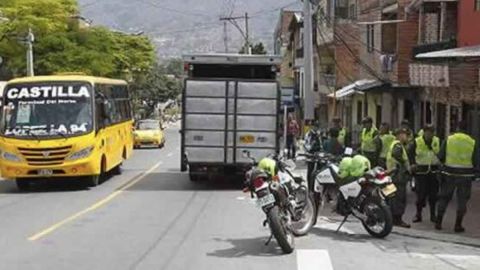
(426, 228)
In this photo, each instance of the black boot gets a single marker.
(438, 222)
(458, 224)
(418, 216)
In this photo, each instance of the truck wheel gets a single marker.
(23, 184)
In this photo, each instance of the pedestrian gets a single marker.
(398, 165)
(332, 145)
(343, 135)
(406, 125)
(460, 158)
(368, 146)
(386, 139)
(423, 153)
(293, 130)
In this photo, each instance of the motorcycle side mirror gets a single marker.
(348, 151)
(246, 154)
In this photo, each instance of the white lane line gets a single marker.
(242, 198)
(169, 154)
(313, 259)
(333, 226)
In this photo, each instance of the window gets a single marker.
(370, 37)
(477, 5)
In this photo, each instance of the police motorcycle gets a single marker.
(313, 141)
(361, 191)
(283, 197)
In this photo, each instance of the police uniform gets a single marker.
(397, 159)
(342, 136)
(424, 154)
(386, 141)
(459, 155)
(369, 146)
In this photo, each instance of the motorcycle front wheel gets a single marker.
(308, 219)
(379, 221)
(284, 237)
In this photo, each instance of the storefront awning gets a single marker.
(462, 52)
(357, 87)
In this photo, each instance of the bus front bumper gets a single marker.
(13, 170)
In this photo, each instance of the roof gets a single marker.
(219, 58)
(91, 79)
(356, 88)
(472, 51)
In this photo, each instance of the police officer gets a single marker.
(399, 164)
(343, 136)
(369, 147)
(386, 139)
(423, 153)
(406, 125)
(460, 158)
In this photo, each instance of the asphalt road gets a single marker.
(153, 217)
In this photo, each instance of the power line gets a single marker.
(181, 12)
(197, 27)
(258, 13)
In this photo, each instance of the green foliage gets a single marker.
(258, 48)
(61, 45)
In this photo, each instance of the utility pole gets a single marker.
(225, 36)
(245, 33)
(29, 41)
(309, 100)
(248, 49)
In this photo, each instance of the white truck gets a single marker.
(230, 103)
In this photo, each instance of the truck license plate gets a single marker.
(267, 200)
(247, 139)
(45, 172)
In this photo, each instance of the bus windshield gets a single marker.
(148, 125)
(47, 109)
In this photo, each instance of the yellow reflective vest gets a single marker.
(342, 136)
(425, 156)
(387, 140)
(368, 140)
(459, 152)
(393, 163)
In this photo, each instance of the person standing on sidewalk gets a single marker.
(459, 155)
(293, 130)
(343, 136)
(369, 147)
(423, 153)
(399, 165)
(332, 145)
(386, 139)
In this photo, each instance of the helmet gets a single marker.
(344, 167)
(360, 165)
(269, 165)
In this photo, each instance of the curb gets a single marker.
(440, 237)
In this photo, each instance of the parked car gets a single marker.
(148, 133)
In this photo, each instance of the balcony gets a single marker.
(439, 46)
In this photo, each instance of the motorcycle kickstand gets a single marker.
(269, 240)
(341, 224)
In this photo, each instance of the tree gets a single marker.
(258, 48)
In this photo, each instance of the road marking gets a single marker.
(169, 154)
(242, 198)
(333, 226)
(94, 206)
(313, 259)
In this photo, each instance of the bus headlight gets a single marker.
(10, 157)
(81, 154)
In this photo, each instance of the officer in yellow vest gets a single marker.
(406, 125)
(343, 136)
(369, 147)
(399, 164)
(459, 155)
(423, 154)
(386, 139)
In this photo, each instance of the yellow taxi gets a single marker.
(148, 133)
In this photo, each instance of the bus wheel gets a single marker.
(93, 180)
(23, 184)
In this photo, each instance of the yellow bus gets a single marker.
(64, 126)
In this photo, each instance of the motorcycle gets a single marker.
(363, 197)
(284, 199)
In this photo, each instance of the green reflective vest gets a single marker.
(392, 163)
(367, 143)
(341, 136)
(426, 156)
(460, 149)
(387, 140)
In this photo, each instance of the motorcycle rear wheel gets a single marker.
(281, 233)
(379, 221)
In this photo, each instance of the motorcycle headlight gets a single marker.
(81, 154)
(10, 157)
